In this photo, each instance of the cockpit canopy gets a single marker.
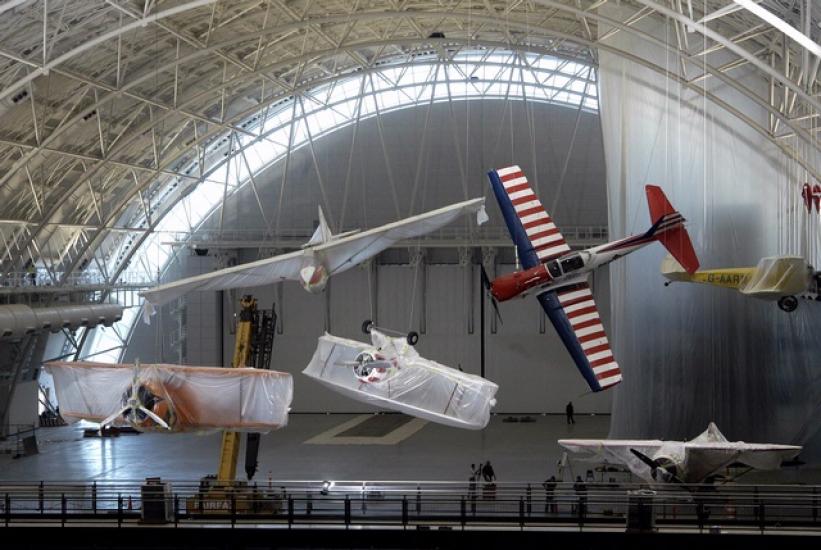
(565, 264)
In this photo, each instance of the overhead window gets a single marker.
(315, 112)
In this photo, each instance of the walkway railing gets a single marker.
(401, 504)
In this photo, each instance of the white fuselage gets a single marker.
(571, 268)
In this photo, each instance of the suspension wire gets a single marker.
(417, 260)
(371, 268)
(354, 132)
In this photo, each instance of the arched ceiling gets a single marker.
(104, 103)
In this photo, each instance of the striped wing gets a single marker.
(536, 236)
(575, 317)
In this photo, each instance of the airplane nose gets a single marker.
(305, 275)
(313, 278)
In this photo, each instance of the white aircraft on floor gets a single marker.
(324, 255)
(703, 459)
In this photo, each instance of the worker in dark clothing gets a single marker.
(581, 493)
(31, 272)
(488, 473)
(549, 495)
(474, 476)
(569, 412)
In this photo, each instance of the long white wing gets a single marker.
(347, 252)
(337, 255)
(259, 273)
(705, 459)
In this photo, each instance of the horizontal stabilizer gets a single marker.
(672, 270)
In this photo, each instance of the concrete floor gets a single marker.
(518, 452)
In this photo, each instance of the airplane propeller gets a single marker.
(486, 283)
(134, 404)
(656, 465)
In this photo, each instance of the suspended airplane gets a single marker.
(172, 398)
(704, 459)
(780, 278)
(558, 276)
(324, 255)
(390, 373)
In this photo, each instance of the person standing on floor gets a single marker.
(549, 495)
(472, 479)
(31, 272)
(581, 494)
(568, 410)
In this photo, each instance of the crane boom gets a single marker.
(229, 452)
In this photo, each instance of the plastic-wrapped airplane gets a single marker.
(172, 398)
(324, 255)
(780, 278)
(703, 459)
(389, 373)
(558, 276)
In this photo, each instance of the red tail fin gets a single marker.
(675, 239)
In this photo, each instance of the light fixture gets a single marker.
(780, 24)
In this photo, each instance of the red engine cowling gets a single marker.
(512, 285)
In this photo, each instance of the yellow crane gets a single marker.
(227, 471)
(252, 348)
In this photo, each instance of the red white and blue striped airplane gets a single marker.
(558, 275)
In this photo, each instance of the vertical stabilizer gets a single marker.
(668, 228)
(323, 232)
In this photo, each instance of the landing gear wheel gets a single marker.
(413, 338)
(788, 303)
(367, 326)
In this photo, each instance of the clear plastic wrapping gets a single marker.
(694, 460)
(187, 399)
(778, 276)
(398, 378)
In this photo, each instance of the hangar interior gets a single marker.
(147, 142)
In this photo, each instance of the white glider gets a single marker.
(324, 255)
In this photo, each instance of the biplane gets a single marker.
(171, 398)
